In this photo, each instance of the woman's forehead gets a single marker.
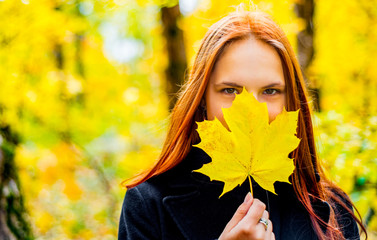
(248, 61)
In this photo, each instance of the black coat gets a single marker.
(180, 204)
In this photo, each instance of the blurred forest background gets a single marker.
(86, 87)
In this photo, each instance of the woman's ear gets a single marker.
(203, 103)
(203, 108)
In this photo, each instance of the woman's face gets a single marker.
(248, 63)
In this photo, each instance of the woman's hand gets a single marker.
(245, 222)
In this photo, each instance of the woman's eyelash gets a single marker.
(230, 91)
(271, 91)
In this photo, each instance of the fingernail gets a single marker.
(247, 198)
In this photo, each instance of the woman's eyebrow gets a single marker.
(231, 84)
(277, 84)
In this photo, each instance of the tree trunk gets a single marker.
(175, 72)
(13, 218)
(305, 10)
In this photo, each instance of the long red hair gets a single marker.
(309, 181)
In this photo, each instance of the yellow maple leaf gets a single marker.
(253, 146)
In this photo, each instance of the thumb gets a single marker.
(240, 213)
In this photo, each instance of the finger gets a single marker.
(255, 212)
(265, 215)
(264, 218)
(262, 229)
(240, 213)
(269, 233)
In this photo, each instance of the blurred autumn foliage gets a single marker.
(83, 87)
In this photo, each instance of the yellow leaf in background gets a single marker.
(253, 146)
(72, 189)
(44, 221)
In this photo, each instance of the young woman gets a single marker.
(169, 201)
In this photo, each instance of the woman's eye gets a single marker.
(270, 91)
(230, 90)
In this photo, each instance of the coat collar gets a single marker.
(193, 193)
(194, 205)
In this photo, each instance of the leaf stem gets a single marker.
(251, 187)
